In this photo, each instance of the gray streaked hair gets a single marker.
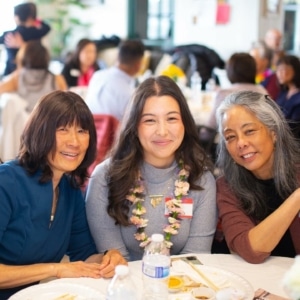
(286, 156)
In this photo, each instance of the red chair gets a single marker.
(106, 127)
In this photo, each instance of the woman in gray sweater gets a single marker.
(157, 180)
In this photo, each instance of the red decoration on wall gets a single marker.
(223, 13)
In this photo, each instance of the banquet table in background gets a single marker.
(201, 108)
(267, 275)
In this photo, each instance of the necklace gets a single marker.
(137, 196)
(54, 203)
(155, 200)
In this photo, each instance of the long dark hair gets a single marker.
(286, 154)
(38, 138)
(127, 154)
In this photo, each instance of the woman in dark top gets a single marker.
(258, 194)
(288, 74)
(81, 64)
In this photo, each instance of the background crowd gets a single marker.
(155, 176)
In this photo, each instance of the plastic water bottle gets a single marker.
(211, 85)
(156, 269)
(121, 286)
(196, 83)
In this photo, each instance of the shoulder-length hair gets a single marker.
(127, 154)
(294, 62)
(38, 139)
(286, 154)
(34, 56)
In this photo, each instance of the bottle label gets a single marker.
(156, 272)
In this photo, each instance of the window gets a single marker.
(7, 21)
(152, 21)
(159, 19)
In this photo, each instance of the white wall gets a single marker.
(108, 19)
(247, 24)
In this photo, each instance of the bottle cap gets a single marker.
(121, 270)
(157, 237)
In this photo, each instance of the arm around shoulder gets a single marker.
(61, 82)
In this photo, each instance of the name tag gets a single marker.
(186, 206)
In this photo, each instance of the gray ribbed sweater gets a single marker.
(195, 234)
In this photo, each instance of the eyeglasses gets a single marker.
(267, 97)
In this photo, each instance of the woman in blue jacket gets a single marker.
(42, 212)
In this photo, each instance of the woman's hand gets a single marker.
(109, 261)
(78, 269)
(95, 266)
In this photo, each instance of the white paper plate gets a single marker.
(221, 278)
(58, 291)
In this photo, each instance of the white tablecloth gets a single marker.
(267, 275)
(202, 108)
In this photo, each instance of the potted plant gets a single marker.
(61, 15)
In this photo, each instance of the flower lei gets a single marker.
(136, 196)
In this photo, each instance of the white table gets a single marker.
(267, 275)
(203, 108)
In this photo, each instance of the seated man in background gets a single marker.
(264, 74)
(110, 90)
(273, 40)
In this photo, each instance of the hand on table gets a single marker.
(109, 261)
(78, 269)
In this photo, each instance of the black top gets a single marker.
(28, 34)
(71, 72)
(285, 247)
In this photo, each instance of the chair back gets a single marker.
(106, 128)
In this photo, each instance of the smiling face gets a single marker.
(72, 143)
(249, 142)
(88, 55)
(285, 73)
(160, 130)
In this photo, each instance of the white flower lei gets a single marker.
(136, 196)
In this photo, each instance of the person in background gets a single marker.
(241, 72)
(32, 79)
(81, 64)
(28, 28)
(110, 90)
(258, 194)
(273, 40)
(264, 74)
(42, 215)
(157, 180)
(288, 74)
